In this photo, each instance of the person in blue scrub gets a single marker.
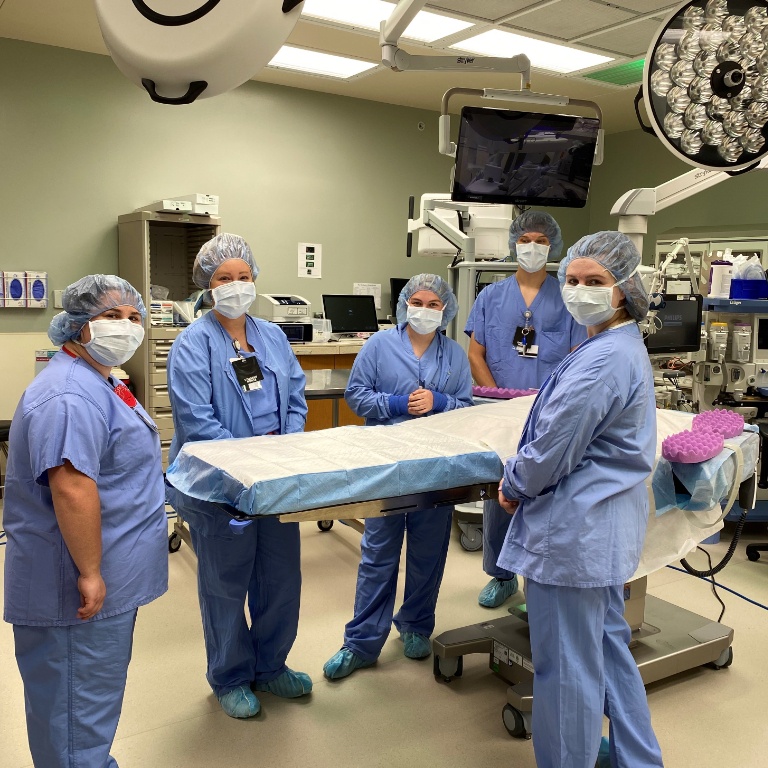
(407, 372)
(87, 533)
(519, 331)
(577, 492)
(233, 375)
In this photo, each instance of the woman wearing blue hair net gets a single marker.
(410, 371)
(233, 375)
(576, 489)
(85, 519)
(519, 331)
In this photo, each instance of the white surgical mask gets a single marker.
(592, 304)
(423, 319)
(531, 256)
(589, 305)
(113, 342)
(234, 299)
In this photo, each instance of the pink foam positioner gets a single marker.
(692, 447)
(726, 423)
(501, 393)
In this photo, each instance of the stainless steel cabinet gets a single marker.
(159, 249)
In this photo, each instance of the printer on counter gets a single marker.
(292, 313)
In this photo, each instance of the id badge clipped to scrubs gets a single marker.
(524, 338)
(247, 370)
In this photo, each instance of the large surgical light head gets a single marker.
(181, 50)
(705, 84)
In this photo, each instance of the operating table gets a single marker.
(451, 458)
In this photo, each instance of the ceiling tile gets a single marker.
(569, 18)
(644, 6)
(487, 10)
(632, 40)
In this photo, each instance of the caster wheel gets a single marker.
(752, 554)
(325, 525)
(472, 544)
(724, 660)
(174, 542)
(447, 669)
(517, 723)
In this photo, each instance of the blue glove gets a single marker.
(439, 402)
(398, 405)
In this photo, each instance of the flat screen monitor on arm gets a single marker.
(350, 314)
(524, 158)
(679, 330)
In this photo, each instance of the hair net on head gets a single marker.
(433, 283)
(88, 297)
(537, 221)
(617, 253)
(215, 252)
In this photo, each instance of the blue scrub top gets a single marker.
(586, 451)
(70, 412)
(263, 403)
(496, 315)
(387, 365)
(209, 404)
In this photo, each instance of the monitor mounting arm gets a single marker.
(448, 147)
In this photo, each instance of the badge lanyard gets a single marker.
(525, 336)
(247, 370)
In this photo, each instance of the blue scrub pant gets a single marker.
(74, 681)
(263, 566)
(584, 669)
(429, 533)
(495, 526)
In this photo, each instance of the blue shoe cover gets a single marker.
(416, 646)
(603, 756)
(497, 592)
(344, 663)
(289, 685)
(240, 702)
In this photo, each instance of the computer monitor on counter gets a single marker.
(350, 314)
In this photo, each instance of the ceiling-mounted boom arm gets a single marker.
(397, 59)
(634, 207)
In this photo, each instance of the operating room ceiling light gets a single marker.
(543, 55)
(705, 84)
(368, 14)
(317, 63)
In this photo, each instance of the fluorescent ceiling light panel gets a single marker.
(369, 14)
(316, 63)
(543, 55)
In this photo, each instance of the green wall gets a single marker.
(634, 159)
(80, 145)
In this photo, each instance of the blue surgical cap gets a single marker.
(537, 221)
(215, 252)
(617, 253)
(88, 297)
(432, 283)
